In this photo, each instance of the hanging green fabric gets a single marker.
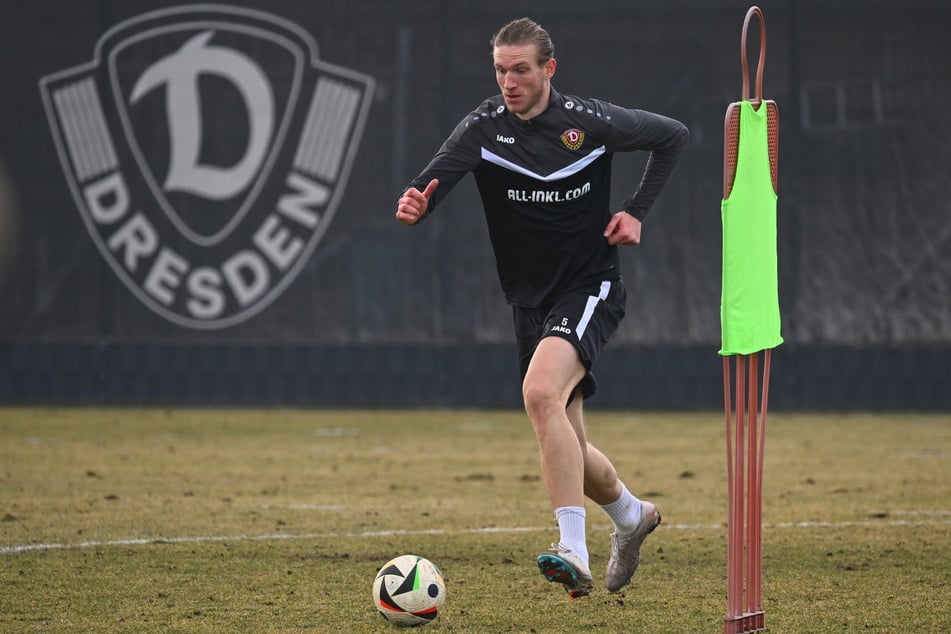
(749, 302)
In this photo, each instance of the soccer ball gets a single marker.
(409, 590)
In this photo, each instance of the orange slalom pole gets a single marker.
(734, 540)
(751, 470)
(745, 443)
(757, 555)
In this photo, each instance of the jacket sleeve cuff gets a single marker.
(638, 212)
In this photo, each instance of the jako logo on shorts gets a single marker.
(207, 149)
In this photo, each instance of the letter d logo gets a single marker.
(207, 148)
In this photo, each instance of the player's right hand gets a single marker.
(414, 203)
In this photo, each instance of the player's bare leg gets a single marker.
(633, 519)
(554, 372)
(601, 483)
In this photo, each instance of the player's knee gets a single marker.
(540, 400)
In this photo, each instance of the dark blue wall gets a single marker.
(372, 313)
(803, 378)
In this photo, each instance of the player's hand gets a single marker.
(414, 203)
(623, 229)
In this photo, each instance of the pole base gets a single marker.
(746, 622)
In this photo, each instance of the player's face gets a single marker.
(523, 80)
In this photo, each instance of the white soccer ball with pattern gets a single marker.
(409, 590)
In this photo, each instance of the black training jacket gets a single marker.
(546, 183)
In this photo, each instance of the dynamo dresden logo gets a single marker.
(207, 149)
(572, 138)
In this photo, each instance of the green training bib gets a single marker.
(749, 302)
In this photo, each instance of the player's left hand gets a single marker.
(623, 229)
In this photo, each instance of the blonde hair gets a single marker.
(525, 31)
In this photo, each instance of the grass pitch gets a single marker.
(115, 520)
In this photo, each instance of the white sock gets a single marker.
(571, 524)
(625, 512)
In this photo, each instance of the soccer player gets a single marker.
(542, 164)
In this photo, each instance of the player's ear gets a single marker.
(550, 66)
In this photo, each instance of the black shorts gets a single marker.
(586, 317)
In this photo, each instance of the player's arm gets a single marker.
(665, 139)
(458, 155)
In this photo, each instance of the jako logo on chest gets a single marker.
(508, 140)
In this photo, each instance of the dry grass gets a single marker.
(276, 521)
